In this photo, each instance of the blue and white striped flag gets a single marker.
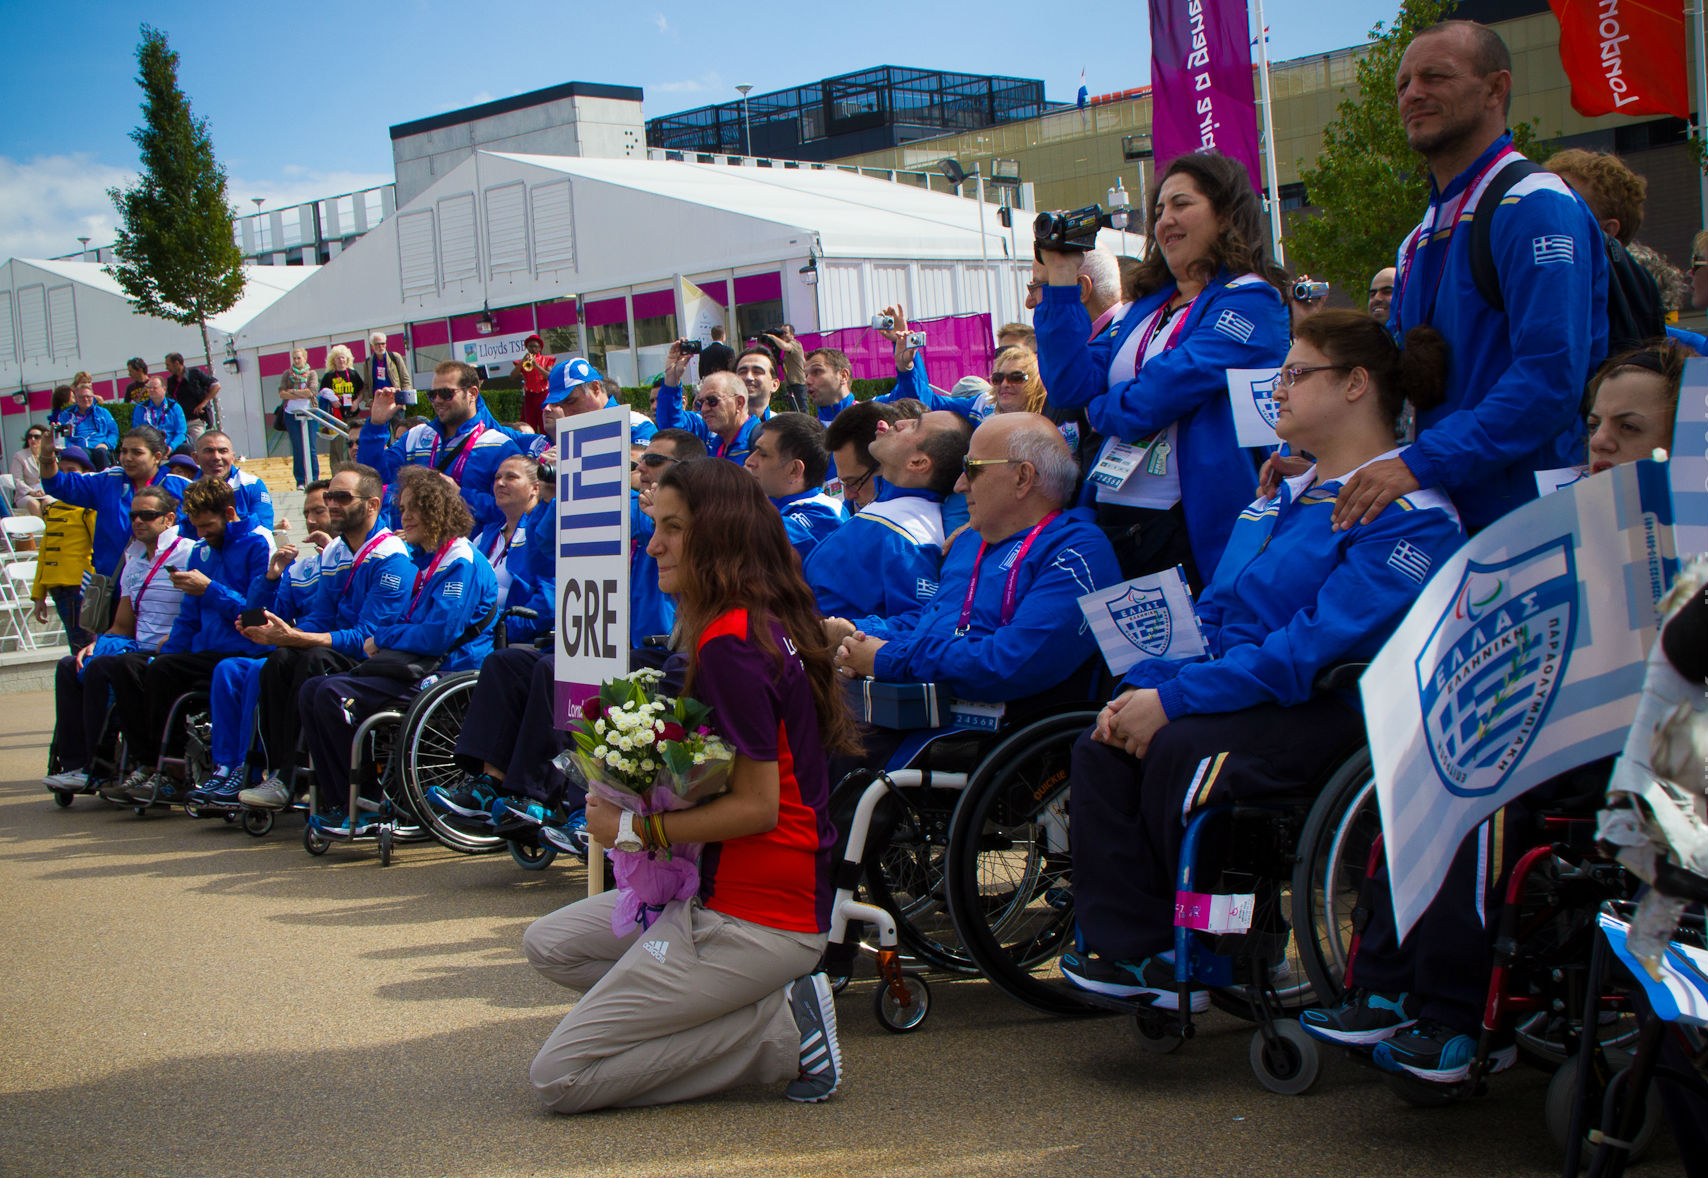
(1689, 465)
(1522, 658)
(1149, 617)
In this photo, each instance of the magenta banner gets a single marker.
(1201, 92)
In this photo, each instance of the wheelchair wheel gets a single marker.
(313, 843)
(62, 798)
(1009, 864)
(1288, 1066)
(257, 822)
(384, 840)
(531, 856)
(198, 749)
(904, 868)
(893, 1015)
(428, 741)
(1328, 879)
(1611, 1072)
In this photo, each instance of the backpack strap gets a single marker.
(1483, 271)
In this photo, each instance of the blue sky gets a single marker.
(300, 96)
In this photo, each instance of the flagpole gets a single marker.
(1269, 139)
(1701, 87)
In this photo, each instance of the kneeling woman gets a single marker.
(1290, 597)
(718, 992)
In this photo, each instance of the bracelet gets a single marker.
(653, 832)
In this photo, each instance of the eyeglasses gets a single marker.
(1015, 377)
(972, 466)
(858, 484)
(704, 402)
(444, 394)
(653, 460)
(147, 517)
(1292, 376)
(340, 497)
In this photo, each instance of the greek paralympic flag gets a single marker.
(1522, 658)
(1689, 465)
(1148, 617)
(1251, 392)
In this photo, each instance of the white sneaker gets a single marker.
(75, 780)
(271, 794)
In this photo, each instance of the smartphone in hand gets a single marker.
(252, 617)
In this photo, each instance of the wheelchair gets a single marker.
(375, 760)
(192, 717)
(105, 768)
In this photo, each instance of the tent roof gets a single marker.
(263, 286)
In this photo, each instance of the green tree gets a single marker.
(177, 257)
(1370, 186)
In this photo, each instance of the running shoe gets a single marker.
(1151, 978)
(271, 794)
(814, 1008)
(1435, 1052)
(474, 798)
(570, 837)
(220, 789)
(1362, 1019)
(73, 781)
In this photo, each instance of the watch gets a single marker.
(627, 839)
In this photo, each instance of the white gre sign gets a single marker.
(592, 555)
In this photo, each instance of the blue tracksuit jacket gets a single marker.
(883, 561)
(208, 622)
(352, 605)
(109, 493)
(91, 429)
(1515, 379)
(1229, 326)
(1292, 597)
(536, 565)
(671, 415)
(461, 592)
(167, 417)
(1045, 641)
(651, 610)
(253, 499)
(415, 448)
(809, 517)
(913, 385)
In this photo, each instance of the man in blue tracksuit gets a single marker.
(719, 416)
(91, 426)
(156, 412)
(459, 443)
(231, 554)
(1514, 394)
(790, 461)
(576, 387)
(141, 453)
(1005, 624)
(829, 377)
(216, 459)
(884, 561)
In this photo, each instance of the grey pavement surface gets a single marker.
(177, 997)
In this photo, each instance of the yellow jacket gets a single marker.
(65, 547)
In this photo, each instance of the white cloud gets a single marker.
(482, 96)
(663, 25)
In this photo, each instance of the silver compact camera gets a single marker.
(883, 323)
(914, 339)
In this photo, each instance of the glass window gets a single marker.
(753, 318)
(426, 360)
(606, 338)
(659, 329)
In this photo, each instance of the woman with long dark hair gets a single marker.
(719, 992)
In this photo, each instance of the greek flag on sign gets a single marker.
(1522, 658)
(1149, 617)
(1232, 323)
(1552, 249)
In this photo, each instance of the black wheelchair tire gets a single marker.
(1332, 861)
(426, 740)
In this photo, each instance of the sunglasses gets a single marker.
(443, 394)
(1015, 377)
(703, 402)
(653, 460)
(972, 466)
(147, 517)
(341, 498)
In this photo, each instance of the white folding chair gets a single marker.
(15, 603)
(16, 530)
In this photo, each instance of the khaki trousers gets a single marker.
(691, 1006)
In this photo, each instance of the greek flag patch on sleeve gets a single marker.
(1413, 562)
(1552, 249)
(452, 590)
(1237, 326)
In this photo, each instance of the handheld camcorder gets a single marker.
(1308, 291)
(692, 347)
(1076, 231)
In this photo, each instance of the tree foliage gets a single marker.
(1370, 186)
(177, 258)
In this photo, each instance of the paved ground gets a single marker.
(179, 998)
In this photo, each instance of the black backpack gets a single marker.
(1634, 315)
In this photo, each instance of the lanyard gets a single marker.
(497, 558)
(422, 578)
(1429, 230)
(1156, 323)
(373, 543)
(1008, 590)
(462, 457)
(136, 606)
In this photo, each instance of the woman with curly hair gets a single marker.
(446, 627)
(720, 992)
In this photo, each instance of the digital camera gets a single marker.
(692, 347)
(883, 323)
(1308, 291)
(914, 339)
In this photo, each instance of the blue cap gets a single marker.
(185, 460)
(567, 376)
(76, 454)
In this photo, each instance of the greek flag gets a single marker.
(1149, 617)
(1551, 249)
(1522, 658)
(1689, 465)
(1232, 323)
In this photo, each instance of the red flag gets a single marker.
(1624, 56)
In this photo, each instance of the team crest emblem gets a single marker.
(1263, 397)
(1491, 671)
(1143, 619)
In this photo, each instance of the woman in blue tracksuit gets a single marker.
(447, 625)
(1291, 597)
(505, 541)
(1170, 479)
(157, 412)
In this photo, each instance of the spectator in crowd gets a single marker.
(829, 380)
(148, 605)
(195, 393)
(1018, 335)
(320, 612)
(229, 556)
(716, 356)
(790, 462)
(215, 459)
(1514, 395)
(1004, 626)
(912, 383)
(788, 365)
(576, 387)
(503, 541)
(726, 1012)
(184, 463)
(458, 443)
(652, 612)
(1674, 287)
(756, 367)
(387, 370)
(447, 626)
(1290, 598)
(156, 412)
(136, 392)
(1633, 403)
(63, 555)
(297, 385)
(1614, 194)
(719, 417)
(61, 399)
(141, 452)
(90, 425)
(27, 493)
(896, 541)
(1698, 295)
(849, 439)
(1382, 293)
(1170, 477)
(342, 388)
(534, 370)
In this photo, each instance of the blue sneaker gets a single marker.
(474, 798)
(1151, 978)
(1363, 1018)
(569, 837)
(1435, 1052)
(527, 809)
(331, 822)
(221, 789)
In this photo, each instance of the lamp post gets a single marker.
(1006, 175)
(258, 201)
(746, 127)
(1117, 198)
(956, 174)
(83, 243)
